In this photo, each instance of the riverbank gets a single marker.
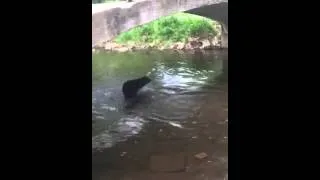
(190, 44)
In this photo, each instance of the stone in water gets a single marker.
(201, 155)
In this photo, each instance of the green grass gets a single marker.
(169, 29)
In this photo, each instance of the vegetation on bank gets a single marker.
(170, 29)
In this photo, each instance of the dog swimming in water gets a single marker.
(131, 87)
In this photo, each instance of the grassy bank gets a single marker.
(170, 29)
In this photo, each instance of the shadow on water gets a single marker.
(182, 84)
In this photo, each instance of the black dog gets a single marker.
(130, 88)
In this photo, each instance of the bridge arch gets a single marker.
(110, 21)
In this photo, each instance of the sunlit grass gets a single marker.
(166, 30)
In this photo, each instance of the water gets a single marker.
(183, 110)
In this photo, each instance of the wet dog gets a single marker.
(130, 88)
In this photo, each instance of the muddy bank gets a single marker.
(190, 44)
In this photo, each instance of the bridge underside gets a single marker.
(214, 12)
(217, 12)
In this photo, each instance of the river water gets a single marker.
(180, 113)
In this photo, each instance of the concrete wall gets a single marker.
(224, 40)
(109, 21)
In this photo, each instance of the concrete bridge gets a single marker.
(111, 19)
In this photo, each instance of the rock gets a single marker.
(108, 47)
(206, 45)
(122, 49)
(174, 46)
(132, 48)
(215, 41)
(193, 39)
(180, 46)
(201, 155)
(150, 46)
(138, 47)
(99, 45)
(123, 153)
(162, 48)
(168, 163)
(193, 43)
(144, 47)
(188, 46)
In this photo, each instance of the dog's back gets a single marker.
(130, 88)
